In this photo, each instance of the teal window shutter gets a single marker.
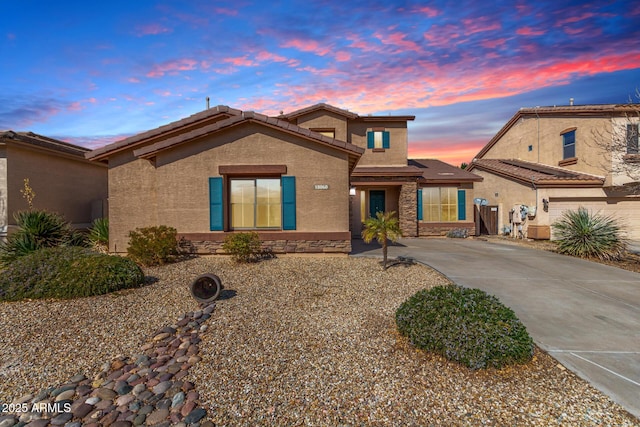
(385, 139)
(216, 211)
(288, 202)
(462, 206)
(420, 216)
(370, 139)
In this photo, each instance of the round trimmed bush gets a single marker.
(465, 325)
(67, 272)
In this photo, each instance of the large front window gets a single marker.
(256, 203)
(440, 204)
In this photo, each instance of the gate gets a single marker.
(486, 218)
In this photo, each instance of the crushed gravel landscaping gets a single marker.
(293, 341)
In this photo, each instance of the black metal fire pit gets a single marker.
(206, 288)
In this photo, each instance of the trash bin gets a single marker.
(206, 288)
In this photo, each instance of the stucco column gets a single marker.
(407, 205)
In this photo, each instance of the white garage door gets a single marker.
(626, 212)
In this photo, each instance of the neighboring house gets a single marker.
(304, 180)
(62, 179)
(553, 159)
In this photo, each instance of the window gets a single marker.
(632, 139)
(253, 203)
(378, 139)
(569, 144)
(331, 133)
(441, 204)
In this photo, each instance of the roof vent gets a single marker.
(571, 101)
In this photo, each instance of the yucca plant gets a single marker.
(587, 235)
(99, 234)
(38, 229)
(383, 227)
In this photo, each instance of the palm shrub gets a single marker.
(37, 229)
(465, 325)
(383, 227)
(99, 234)
(153, 245)
(67, 272)
(587, 235)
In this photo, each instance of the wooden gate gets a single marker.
(486, 218)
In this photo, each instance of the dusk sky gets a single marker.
(94, 72)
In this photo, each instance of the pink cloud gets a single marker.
(263, 56)
(172, 67)
(225, 11)
(133, 80)
(492, 44)
(240, 61)
(453, 152)
(479, 25)
(358, 43)
(429, 11)
(342, 56)
(398, 39)
(152, 30)
(528, 31)
(574, 19)
(307, 46)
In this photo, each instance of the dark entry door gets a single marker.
(376, 202)
(487, 219)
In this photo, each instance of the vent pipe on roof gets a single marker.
(207, 102)
(570, 101)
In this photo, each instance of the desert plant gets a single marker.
(383, 227)
(243, 247)
(465, 325)
(99, 235)
(67, 272)
(38, 229)
(153, 245)
(587, 235)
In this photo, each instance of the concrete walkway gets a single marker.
(584, 314)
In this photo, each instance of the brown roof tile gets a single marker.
(386, 171)
(438, 171)
(537, 173)
(41, 141)
(345, 113)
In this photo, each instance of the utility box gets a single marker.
(539, 232)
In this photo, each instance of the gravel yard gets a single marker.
(295, 341)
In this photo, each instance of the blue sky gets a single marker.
(94, 72)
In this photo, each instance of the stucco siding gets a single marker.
(544, 137)
(62, 184)
(395, 155)
(175, 190)
(325, 120)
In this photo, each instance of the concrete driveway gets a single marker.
(584, 314)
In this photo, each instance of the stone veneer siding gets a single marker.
(276, 246)
(407, 205)
(442, 228)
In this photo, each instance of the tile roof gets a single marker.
(41, 141)
(537, 173)
(386, 171)
(438, 171)
(249, 116)
(194, 120)
(346, 113)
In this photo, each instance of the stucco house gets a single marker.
(63, 180)
(551, 159)
(304, 180)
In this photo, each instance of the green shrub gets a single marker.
(99, 234)
(465, 325)
(586, 235)
(36, 230)
(153, 245)
(67, 272)
(243, 247)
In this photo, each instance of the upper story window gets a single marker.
(632, 139)
(330, 132)
(569, 144)
(378, 138)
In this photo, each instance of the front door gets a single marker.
(376, 202)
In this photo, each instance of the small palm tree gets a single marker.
(383, 227)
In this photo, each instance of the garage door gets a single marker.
(626, 212)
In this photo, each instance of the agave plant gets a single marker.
(99, 234)
(587, 235)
